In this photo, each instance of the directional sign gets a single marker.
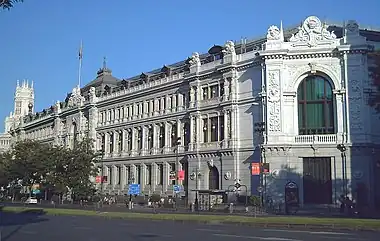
(176, 188)
(134, 189)
(37, 191)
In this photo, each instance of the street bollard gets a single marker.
(231, 208)
(192, 206)
(130, 205)
(246, 209)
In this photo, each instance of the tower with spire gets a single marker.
(23, 103)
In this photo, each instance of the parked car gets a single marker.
(31, 200)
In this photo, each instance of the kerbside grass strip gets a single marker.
(333, 223)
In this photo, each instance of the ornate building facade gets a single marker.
(23, 105)
(308, 87)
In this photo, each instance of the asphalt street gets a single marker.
(34, 227)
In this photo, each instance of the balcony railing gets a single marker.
(316, 139)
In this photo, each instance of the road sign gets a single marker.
(172, 175)
(176, 188)
(134, 189)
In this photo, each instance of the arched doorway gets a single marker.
(213, 178)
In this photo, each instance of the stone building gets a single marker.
(296, 99)
(23, 105)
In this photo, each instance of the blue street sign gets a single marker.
(176, 188)
(36, 191)
(134, 189)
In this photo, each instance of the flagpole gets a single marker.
(80, 63)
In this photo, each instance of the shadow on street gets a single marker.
(14, 222)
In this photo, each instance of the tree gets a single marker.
(74, 167)
(8, 4)
(29, 162)
(374, 73)
(4, 163)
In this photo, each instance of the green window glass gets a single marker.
(315, 106)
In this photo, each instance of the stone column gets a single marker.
(226, 89)
(168, 106)
(123, 179)
(144, 140)
(163, 106)
(166, 177)
(180, 102)
(174, 103)
(143, 176)
(151, 107)
(192, 133)
(154, 177)
(192, 97)
(134, 141)
(233, 125)
(226, 126)
(156, 106)
(145, 108)
(155, 138)
(115, 136)
(198, 130)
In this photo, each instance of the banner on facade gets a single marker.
(255, 169)
(100, 179)
(181, 175)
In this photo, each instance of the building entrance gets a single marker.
(317, 183)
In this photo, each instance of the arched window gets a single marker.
(315, 106)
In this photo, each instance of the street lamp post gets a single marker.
(260, 129)
(131, 180)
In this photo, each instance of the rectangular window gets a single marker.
(149, 174)
(214, 129)
(205, 130)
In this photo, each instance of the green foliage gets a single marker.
(55, 167)
(8, 4)
(255, 201)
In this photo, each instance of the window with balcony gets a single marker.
(186, 133)
(118, 175)
(139, 139)
(138, 174)
(150, 137)
(162, 137)
(174, 135)
(111, 142)
(221, 128)
(110, 175)
(315, 106)
(214, 129)
(120, 142)
(205, 130)
(129, 140)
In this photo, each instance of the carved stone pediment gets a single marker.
(312, 33)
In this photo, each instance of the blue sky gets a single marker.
(40, 39)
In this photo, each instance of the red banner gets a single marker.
(181, 175)
(99, 179)
(255, 169)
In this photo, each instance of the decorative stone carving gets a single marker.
(273, 33)
(273, 93)
(228, 113)
(76, 99)
(227, 176)
(194, 59)
(229, 48)
(355, 100)
(57, 107)
(352, 27)
(311, 32)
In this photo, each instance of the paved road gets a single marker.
(33, 227)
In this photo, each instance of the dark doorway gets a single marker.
(213, 179)
(317, 184)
